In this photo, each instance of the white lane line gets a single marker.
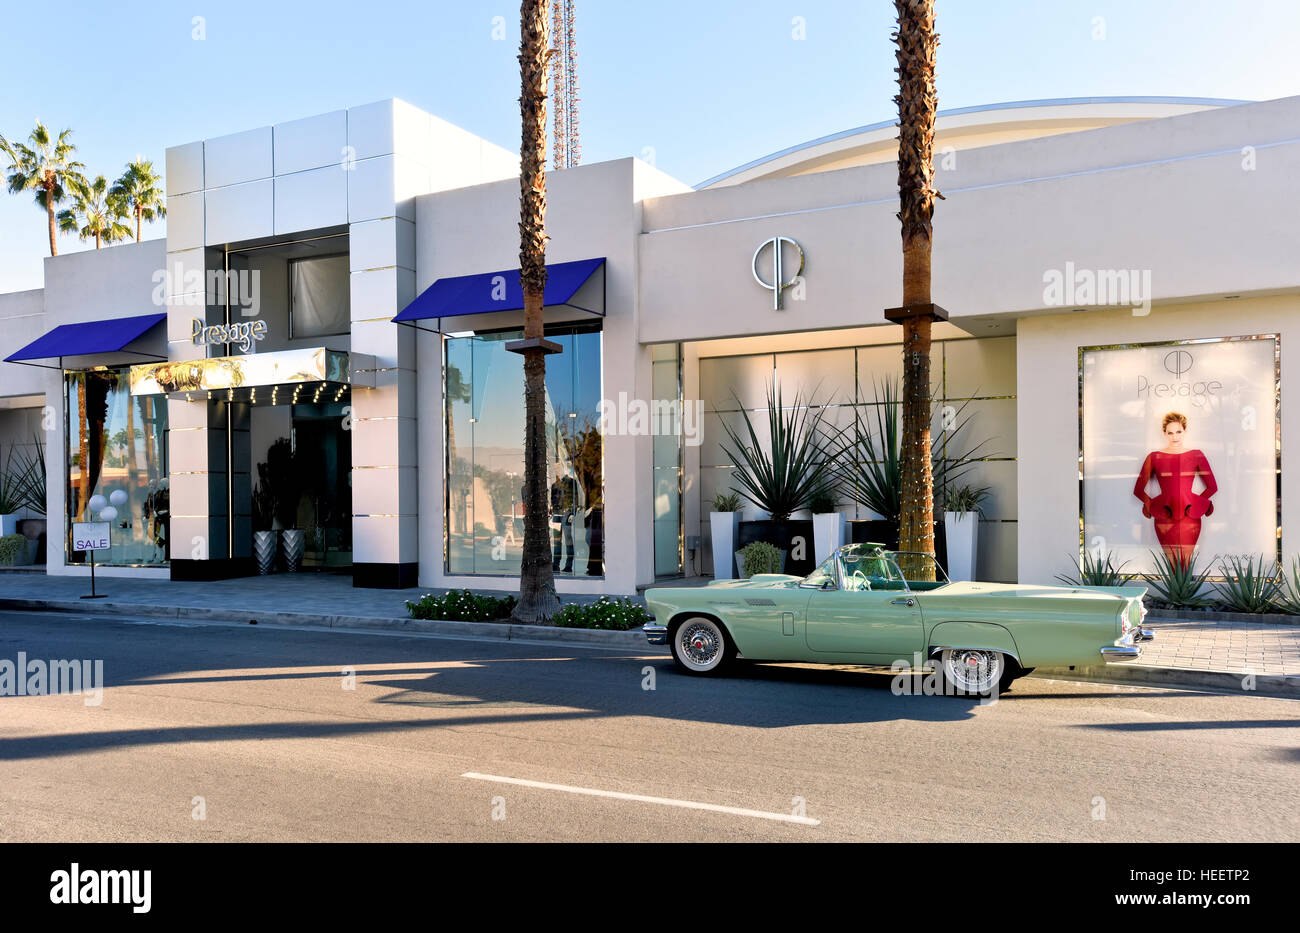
(642, 798)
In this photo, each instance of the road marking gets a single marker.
(642, 798)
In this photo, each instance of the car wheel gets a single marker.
(701, 646)
(970, 672)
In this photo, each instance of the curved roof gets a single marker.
(964, 127)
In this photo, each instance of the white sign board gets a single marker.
(90, 536)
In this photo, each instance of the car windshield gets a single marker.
(921, 571)
(867, 567)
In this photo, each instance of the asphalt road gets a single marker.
(255, 730)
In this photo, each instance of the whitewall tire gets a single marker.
(701, 646)
(970, 672)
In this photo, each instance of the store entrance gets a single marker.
(302, 482)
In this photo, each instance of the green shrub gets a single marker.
(1177, 584)
(11, 549)
(1249, 585)
(759, 557)
(461, 606)
(1096, 571)
(822, 502)
(618, 615)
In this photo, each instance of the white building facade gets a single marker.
(1104, 263)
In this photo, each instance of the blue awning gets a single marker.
(487, 292)
(110, 336)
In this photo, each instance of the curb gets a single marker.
(1202, 616)
(1274, 685)
(505, 631)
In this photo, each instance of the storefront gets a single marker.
(294, 359)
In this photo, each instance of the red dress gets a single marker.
(1176, 510)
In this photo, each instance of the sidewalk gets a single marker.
(1193, 653)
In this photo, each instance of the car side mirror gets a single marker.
(828, 584)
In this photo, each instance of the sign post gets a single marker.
(92, 537)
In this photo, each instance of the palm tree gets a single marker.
(95, 213)
(139, 189)
(917, 105)
(537, 599)
(45, 167)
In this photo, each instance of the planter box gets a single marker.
(882, 531)
(962, 531)
(828, 533)
(795, 536)
(724, 527)
(8, 524)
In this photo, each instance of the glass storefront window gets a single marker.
(485, 458)
(117, 467)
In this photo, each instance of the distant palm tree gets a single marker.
(45, 167)
(537, 598)
(96, 213)
(140, 190)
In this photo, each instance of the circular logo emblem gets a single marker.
(1178, 362)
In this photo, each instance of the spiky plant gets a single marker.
(1288, 599)
(1097, 569)
(1249, 584)
(95, 214)
(43, 165)
(1176, 583)
(140, 189)
(783, 478)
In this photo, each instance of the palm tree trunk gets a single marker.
(917, 106)
(537, 598)
(139, 219)
(49, 210)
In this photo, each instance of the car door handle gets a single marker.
(909, 601)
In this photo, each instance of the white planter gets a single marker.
(828, 534)
(725, 526)
(9, 523)
(963, 544)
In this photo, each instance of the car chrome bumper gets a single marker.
(1127, 649)
(656, 634)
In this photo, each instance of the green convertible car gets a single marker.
(870, 606)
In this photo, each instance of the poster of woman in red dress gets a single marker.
(1177, 509)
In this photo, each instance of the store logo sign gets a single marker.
(1178, 362)
(776, 263)
(242, 334)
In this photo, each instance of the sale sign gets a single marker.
(90, 536)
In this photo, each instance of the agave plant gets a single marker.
(1177, 584)
(785, 480)
(1097, 569)
(868, 462)
(1288, 600)
(1249, 584)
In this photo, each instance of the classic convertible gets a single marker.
(871, 606)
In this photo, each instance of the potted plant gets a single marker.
(264, 538)
(828, 524)
(868, 465)
(279, 477)
(782, 479)
(32, 489)
(13, 479)
(961, 524)
(724, 524)
(760, 557)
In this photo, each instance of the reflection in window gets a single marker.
(485, 461)
(117, 467)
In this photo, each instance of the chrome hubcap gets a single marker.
(701, 644)
(973, 671)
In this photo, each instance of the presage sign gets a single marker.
(241, 333)
(90, 536)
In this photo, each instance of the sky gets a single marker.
(695, 86)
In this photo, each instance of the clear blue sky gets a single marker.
(703, 85)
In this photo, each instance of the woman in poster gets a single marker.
(1177, 510)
